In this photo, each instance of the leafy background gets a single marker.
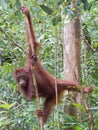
(16, 112)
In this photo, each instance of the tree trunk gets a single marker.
(71, 42)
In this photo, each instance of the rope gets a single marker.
(56, 92)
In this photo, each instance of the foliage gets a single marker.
(15, 111)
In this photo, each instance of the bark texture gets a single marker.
(71, 44)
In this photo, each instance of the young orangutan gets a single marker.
(45, 81)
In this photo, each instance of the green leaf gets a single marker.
(87, 6)
(6, 105)
(46, 9)
(78, 128)
(19, 15)
(96, 45)
(81, 107)
(56, 19)
(96, 124)
(18, 5)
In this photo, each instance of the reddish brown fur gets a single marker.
(26, 87)
(45, 81)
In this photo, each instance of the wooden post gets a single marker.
(71, 42)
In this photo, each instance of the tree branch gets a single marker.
(13, 41)
(86, 42)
